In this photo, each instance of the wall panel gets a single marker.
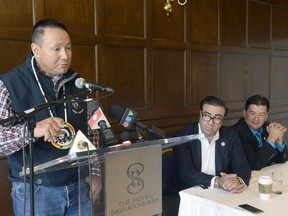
(83, 61)
(232, 76)
(204, 75)
(279, 77)
(16, 14)
(125, 73)
(257, 80)
(169, 79)
(10, 55)
(167, 27)
(233, 22)
(124, 17)
(280, 28)
(6, 207)
(259, 24)
(203, 28)
(77, 15)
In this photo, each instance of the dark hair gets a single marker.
(258, 100)
(213, 100)
(39, 27)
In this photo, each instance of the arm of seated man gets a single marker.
(276, 132)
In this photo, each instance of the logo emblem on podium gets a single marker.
(133, 172)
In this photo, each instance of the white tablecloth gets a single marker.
(217, 202)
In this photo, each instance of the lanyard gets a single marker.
(43, 93)
(65, 139)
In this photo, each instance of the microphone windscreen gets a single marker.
(92, 106)
(115, 112)
(79, 82)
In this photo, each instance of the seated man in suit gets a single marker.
(217, 160)
(262, 142)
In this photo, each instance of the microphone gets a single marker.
(92, 106)
(127, 117)
(125, 136)
(99, 121)
(82, 83)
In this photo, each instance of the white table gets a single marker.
(217, 202)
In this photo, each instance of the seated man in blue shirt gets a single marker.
(262, 141)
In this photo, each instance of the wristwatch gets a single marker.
(216, 184)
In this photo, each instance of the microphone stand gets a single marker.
(31, 124)
(139, 135)
(29, 116)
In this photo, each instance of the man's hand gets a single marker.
(231, 183)
(276, 132)
(48, 128)
(96, 186)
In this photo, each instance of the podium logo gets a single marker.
(134, 172)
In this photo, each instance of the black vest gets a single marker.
(25, 94)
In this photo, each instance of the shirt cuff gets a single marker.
(212, 184)
(271, 143)
(241, 181)
(281, 147)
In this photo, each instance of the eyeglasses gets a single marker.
(207, 117)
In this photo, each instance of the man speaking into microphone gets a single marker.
(45, 77)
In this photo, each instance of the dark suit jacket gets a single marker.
(229, 158)
(258, 157)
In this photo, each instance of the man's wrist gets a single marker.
(241, 181)
(280, 141)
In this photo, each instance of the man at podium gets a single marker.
(44, 77)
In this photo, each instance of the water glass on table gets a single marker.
(277, 177)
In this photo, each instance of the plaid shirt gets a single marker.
(12, 137)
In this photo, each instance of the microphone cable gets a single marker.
(24, 168)
(85, 144)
